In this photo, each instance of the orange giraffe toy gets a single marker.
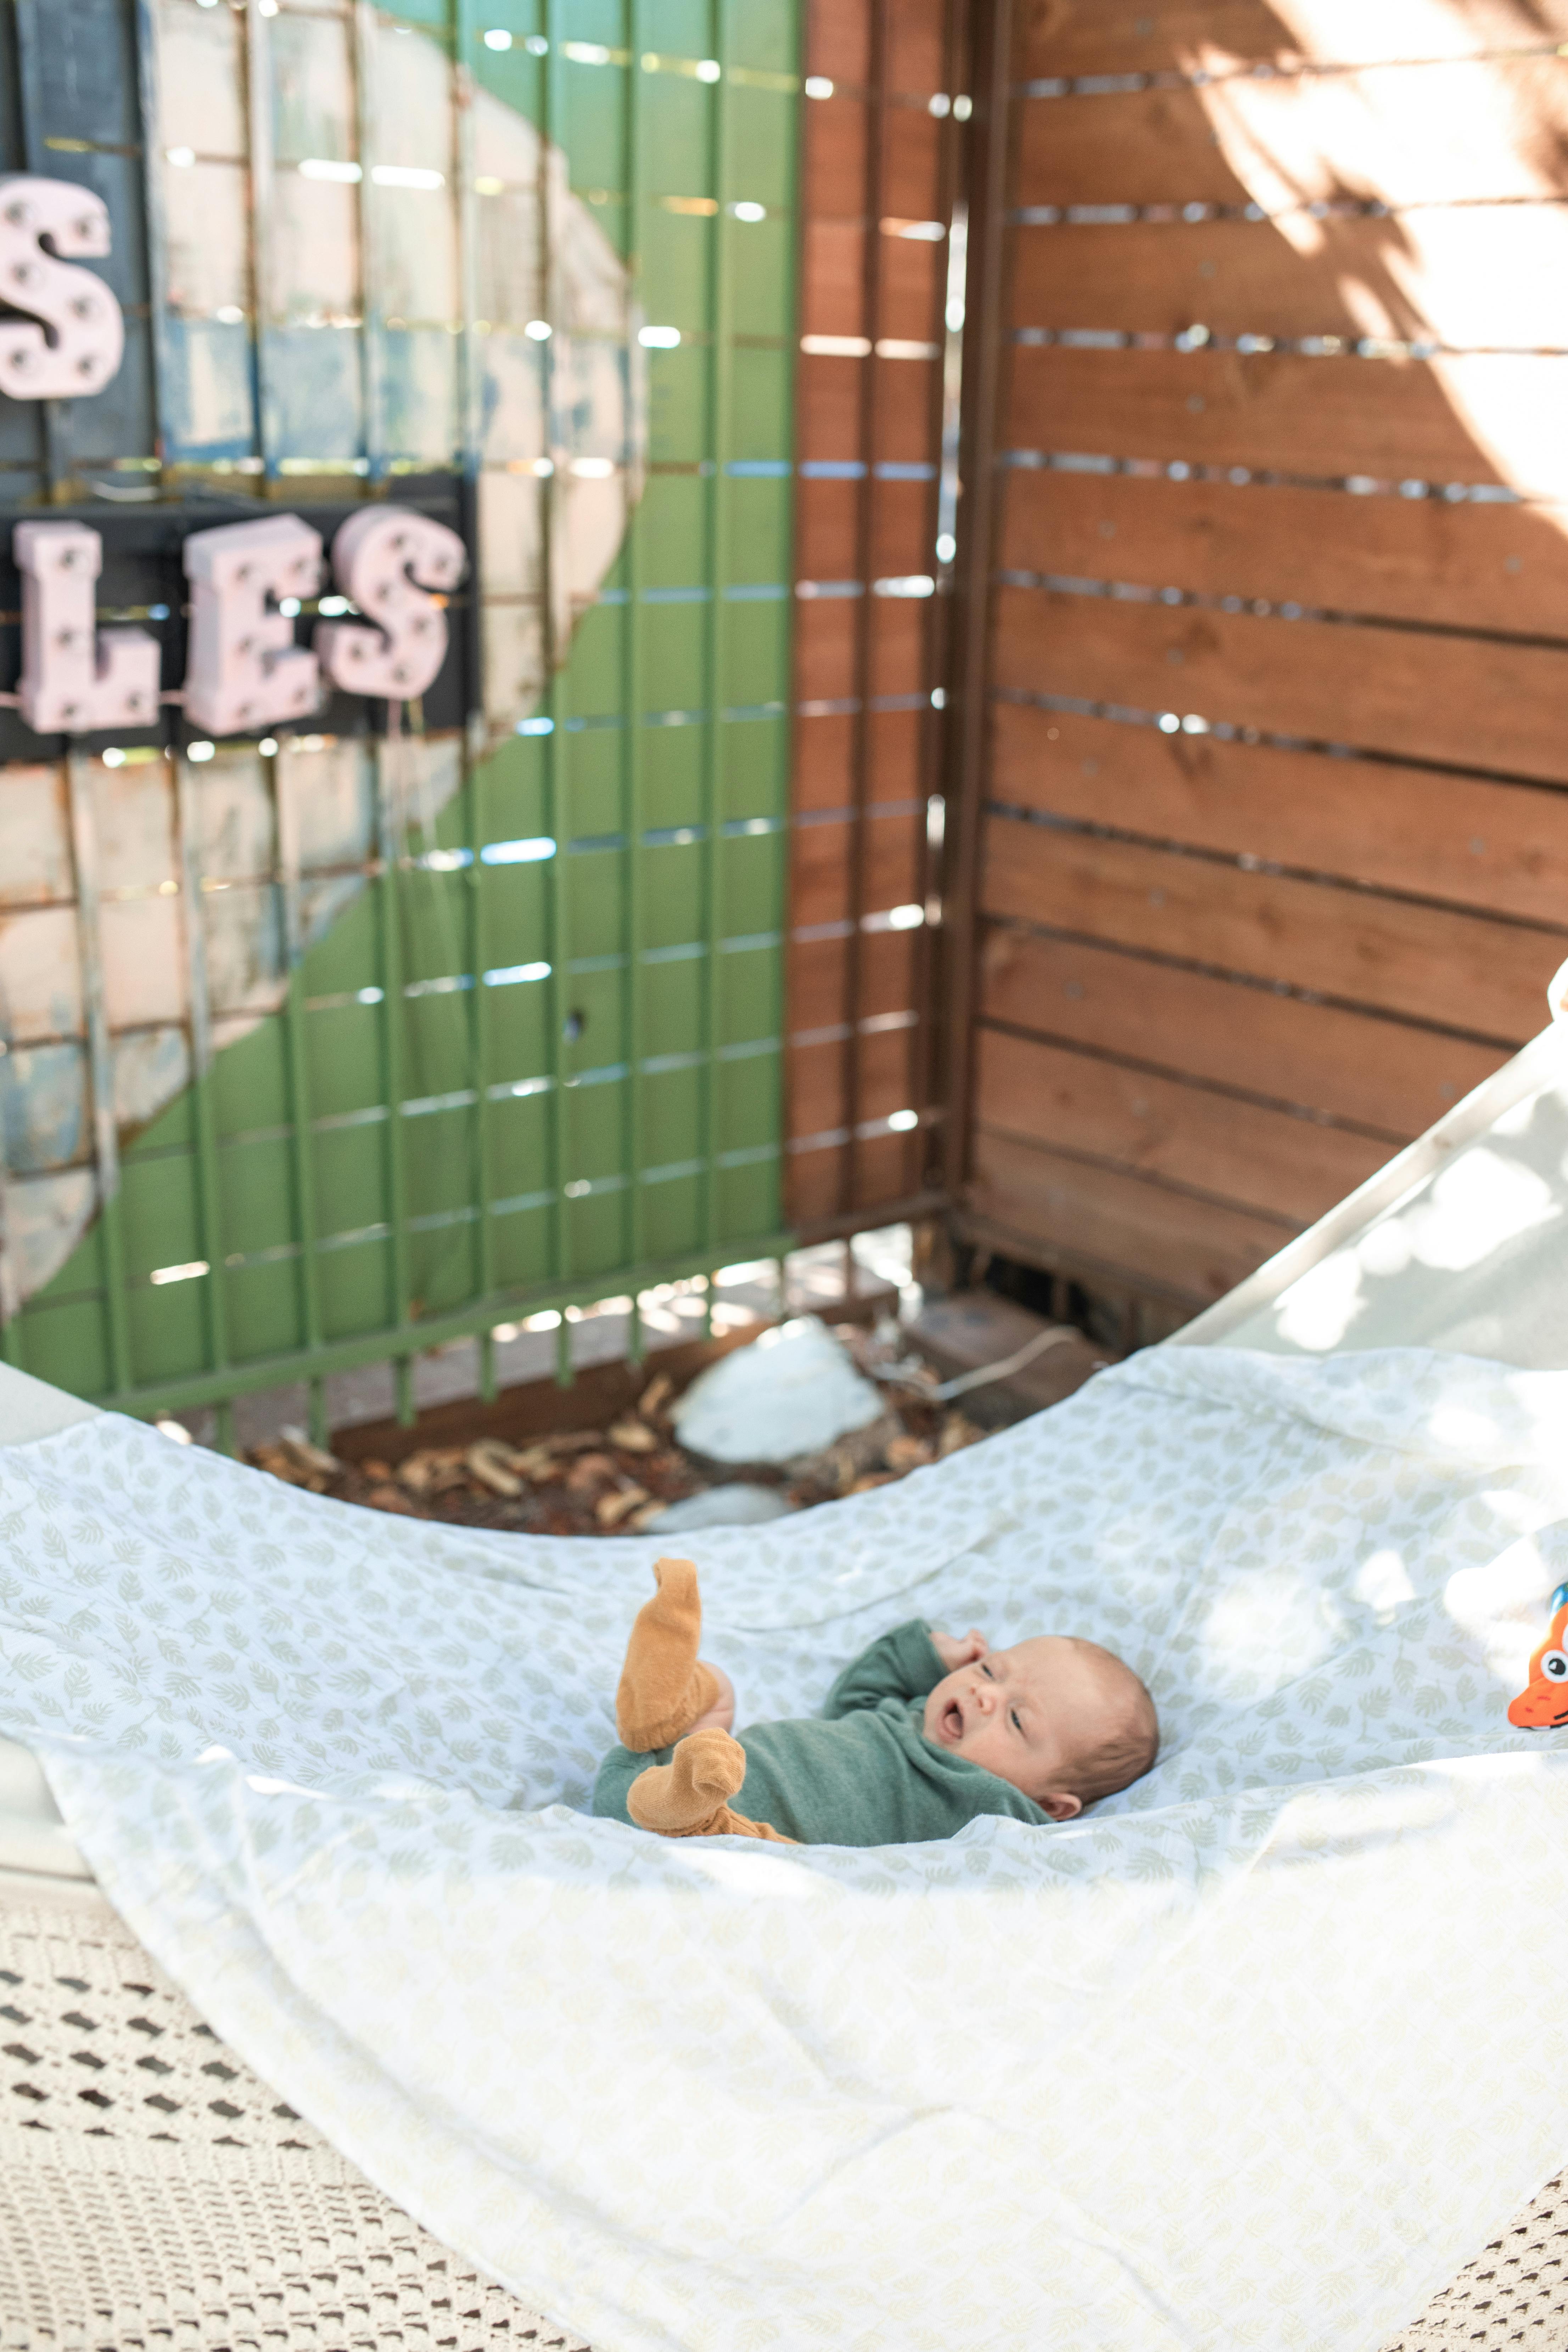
(1543, 1702)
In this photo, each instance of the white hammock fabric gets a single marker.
(1251, 2053)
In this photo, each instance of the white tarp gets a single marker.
(1254, 2055)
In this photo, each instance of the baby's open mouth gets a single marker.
(952, 1723)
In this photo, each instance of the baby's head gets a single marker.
(1060, 1719)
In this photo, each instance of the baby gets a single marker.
(921, 1734)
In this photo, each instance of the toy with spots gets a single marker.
(1542, 1704)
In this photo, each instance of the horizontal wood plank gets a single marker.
(1405, 691)
(917, 36)
(897, 747)
(1472, 277)
(826, 635)
(834, 184)
(1467, 565)
(820, 864)
(911, 278)
(1465, 971)
(1114, 1225)
(1500, 848)
(1382, 1074)
(1241, 1152)
(839, 39)
(1390, 419)
(818, 979)
(1117, 36)
(885, 1063)
(828, 409)
(827, 528)
(1406, 132)
(887, 1168)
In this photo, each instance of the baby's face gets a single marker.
(1023, 1714)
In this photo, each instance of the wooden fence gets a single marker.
(881, 145)
(1266, 653)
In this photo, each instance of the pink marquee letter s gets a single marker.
(378, 556)
(86, 333)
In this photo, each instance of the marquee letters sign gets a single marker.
(72, 337)
(245, 672)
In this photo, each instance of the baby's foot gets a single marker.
(686, 1796)
(665, 1688)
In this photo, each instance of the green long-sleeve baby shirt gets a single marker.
(860, 1773)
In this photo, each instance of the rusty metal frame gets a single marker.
(921, 1156)
(969, 676)
(864, 540)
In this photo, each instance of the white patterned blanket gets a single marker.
(1256, 2054)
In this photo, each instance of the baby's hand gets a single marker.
(961, 1649)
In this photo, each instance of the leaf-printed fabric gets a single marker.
(1252, 2054)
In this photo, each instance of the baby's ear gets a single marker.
(1061, 1804)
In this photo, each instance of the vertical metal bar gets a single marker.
(720, 367)
(470, 380)
(865, 567)
(804, 200)
(296, 1069)
(936, 634)
(54, 415)
(209, 1188)
(987, 190)
(150, 107)
(557, 816)
(479, 1051)
(13, 1344)
(633, 697)
(371, 370)
(101, 1055)
(387, 755)
(263, 289)
(470, 367)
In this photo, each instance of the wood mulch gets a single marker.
(616, 1479)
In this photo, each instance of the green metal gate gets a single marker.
(327, 1048)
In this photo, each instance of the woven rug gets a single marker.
(154, 2192)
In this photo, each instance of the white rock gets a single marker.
(792, 1392)
(719, 1507)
